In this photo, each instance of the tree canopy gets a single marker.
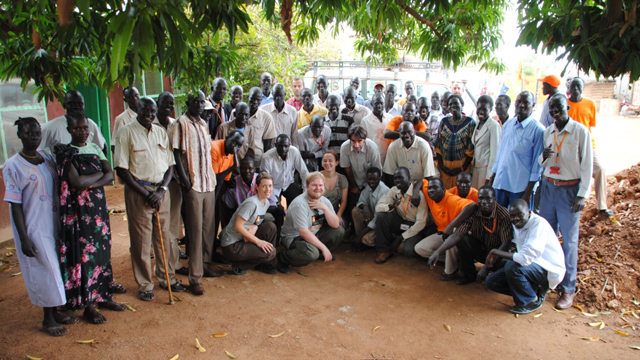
(114, 41)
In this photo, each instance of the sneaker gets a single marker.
(238, 270)
(542, 293)
(530, 307)
(283, 267)
(266, 268)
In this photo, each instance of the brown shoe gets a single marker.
(383, 257)
(210, 273)
(197, 289)
(565, 301)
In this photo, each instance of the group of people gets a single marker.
(268, 184)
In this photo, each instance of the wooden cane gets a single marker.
(164, 260)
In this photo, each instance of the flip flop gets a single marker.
(147, 295)
(66, 319)
(54, 330)
(96, 318)
(118, 288)
(112, 305)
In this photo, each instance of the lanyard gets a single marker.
(405, 208)
(555, 140)
(249, 188)
(321, 140)
(494, 226)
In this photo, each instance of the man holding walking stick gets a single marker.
(144, 161)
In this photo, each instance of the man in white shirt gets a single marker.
(285, 116)
(536, 266)
(313, 142)
(282, 162)
(390, 106)
(261, 129)
(412, 152)
(375, 123)
(351, 108)
(567, 162)
(131, 97)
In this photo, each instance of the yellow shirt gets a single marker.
(304, 118)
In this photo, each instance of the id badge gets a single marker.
(554, 170)
(404, 227)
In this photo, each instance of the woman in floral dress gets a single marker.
(85, 248)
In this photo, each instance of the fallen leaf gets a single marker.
(590, 338)
(573, 317)
(599, 324)
(627, 326)
(16, 274)
(176, 298)
(303, 274)
(559, 311)
(635, 347)
(276, 335)
(578, 307)
(85, 341)
(448, 328)
(590, 315)
(200, 348)
(356, 274)
(537, 315)
(175, 357)
(9, 254)
(621, 333)
(375, 328)
(130, 308)
(219, 335)
(123, 235)
(230, 355)
(635, 302)
(29, 357)
(11, 248)
(516, 316)
(125, 218)
(599, 259)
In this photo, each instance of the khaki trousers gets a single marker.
(359, 225)
(143, 233)
(431, 243)
(599, 182)
(200, 224)
(175, 193)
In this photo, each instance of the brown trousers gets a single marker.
(143, 233)
(359, 226)
(200, 224)
(246, 254)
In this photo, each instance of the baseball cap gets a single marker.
(551, 80)
(378, 83)
(207, 105)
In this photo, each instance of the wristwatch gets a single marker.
(165, 188)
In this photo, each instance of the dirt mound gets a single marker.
(609, 249)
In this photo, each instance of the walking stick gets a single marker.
(164, 260)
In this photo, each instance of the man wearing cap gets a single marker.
(550, 85)
(378, 88)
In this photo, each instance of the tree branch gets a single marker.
(423, 20)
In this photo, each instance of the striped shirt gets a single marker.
(191, 137)
(339, 129)
(483, 229)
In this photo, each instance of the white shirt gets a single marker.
(396, 110)
(55, 132)
(375, 131)
(286, 121)
(575, 158)
(123, 119)
(358, 112)
(283, 171)
(418, 158)
(537, 243)
(360, 161)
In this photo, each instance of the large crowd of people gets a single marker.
(269, 184)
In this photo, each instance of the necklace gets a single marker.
(30, 157)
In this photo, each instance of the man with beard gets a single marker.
(516, 169)
(375, 123)
(285, 116)
(412, 152)
(311, 230)
(265, 84)
(297, 85)
(339, 123)
(351, 108)
(309, 108)
(192, 149)
(536, 266)
(399, 224)
(312, 140)
(131, 97)
(486, 229)
(55, 131)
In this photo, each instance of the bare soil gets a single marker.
(348, 309)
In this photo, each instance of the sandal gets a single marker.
(55, 330)
(118, 288)
(112, 305)
(147, 295)
(94, 317)
(65, 319)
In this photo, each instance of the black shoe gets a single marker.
(542, 293)
(177, 287)
(183, 241)
(219, 258)
(266, 268)
(238, 270)
(607, 212)
(183, 271)
(283, 267)
(183, 256)
(530, 307)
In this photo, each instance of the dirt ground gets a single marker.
(348, 309)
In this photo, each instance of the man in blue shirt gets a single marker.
(516, 169)
(550, 85)
(265, 85)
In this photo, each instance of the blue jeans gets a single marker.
(520, 282)
(555, 207)
(505, 198)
